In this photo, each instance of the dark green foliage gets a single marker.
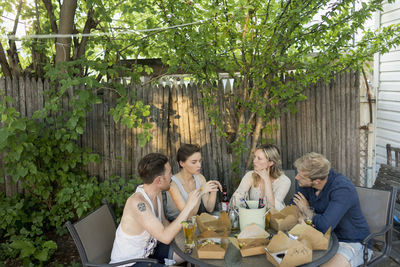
(43, 155)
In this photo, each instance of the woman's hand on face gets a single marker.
(211, 186)
(264, 173)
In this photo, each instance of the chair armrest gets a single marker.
(368, 238)
(121, 262)
(372, 235)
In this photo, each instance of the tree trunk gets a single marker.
(38, 57)
(3, 62)
(254, 140)
(63, 44)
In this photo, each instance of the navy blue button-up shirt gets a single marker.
(338, 206)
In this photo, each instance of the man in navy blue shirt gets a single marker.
(331, 200)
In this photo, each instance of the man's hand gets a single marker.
(212, 186)
(302, 203)
(193, 199)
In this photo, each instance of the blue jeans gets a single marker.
(161, 252)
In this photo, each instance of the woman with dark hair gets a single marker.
(188, 179)
(267, 181)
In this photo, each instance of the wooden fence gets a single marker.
(327, 122)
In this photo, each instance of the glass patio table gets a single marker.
(234, 258)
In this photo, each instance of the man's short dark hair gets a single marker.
(151, 166)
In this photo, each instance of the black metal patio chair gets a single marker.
(377, 206)
(94, 237)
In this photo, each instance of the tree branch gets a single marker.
(50, 13)
(89, 25)
(3, 62)
(12, 52)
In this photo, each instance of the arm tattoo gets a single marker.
(141, 206)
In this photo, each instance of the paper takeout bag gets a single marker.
(252, 240)
(318, 240)
(253, 231)
(209, 226)
(250, 246)
(284, 252)
(285, 219)
(215, 250)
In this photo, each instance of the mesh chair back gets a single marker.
(97, 232)
(291, 174)
(376, 205)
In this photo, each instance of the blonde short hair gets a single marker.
(315, 165)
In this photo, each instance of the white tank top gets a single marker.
(134, 246)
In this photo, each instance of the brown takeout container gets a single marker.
(251, 241)
(250, 246)
(285, 252)
(209, 226)
(285, 219)
(211, 248)
(318, 240)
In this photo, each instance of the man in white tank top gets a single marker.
(144, 231)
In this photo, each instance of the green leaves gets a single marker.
(47, 161)
(26, 248)
(18, 125)
(133, 116)
(273, 50)
(4, 134)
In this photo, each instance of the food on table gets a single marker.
(210, 245)
(208, 233)
(253, 231)
(205, 217)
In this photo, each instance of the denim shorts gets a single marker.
(353, 252)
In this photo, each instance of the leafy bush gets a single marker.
(22, 224)
(43, 155)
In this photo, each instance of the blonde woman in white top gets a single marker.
(267, 181)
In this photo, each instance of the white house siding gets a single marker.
(387, 86)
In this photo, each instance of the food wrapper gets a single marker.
(318, 240)
(253, 231)
(252, 240)
(285, 252)
(285, 219)
(211, 248)
(209, 226)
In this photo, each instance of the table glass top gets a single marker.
(234, 258)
